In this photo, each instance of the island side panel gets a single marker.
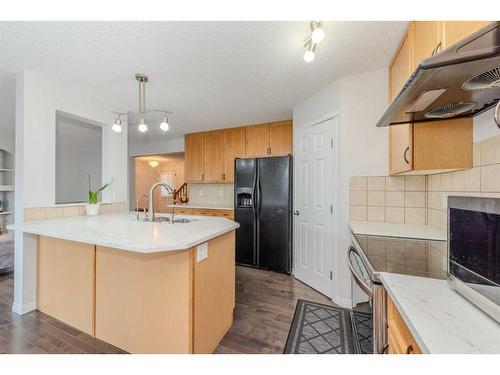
(214, 293)
(65, 281)
(144, 301)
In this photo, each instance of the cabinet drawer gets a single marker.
(225, 213)
(400, 339)
(203, 212)
(183, 211)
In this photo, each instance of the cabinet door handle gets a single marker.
(269, 150)
(409, 350)
(437, 49)
(203, 176)
(405, 155)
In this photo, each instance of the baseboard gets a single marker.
(23, 309)
(342, 302)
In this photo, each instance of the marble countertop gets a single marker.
(207, 206)
(440, 319)
(123, 231)
(371, 228)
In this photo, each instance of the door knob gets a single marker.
(296, 213)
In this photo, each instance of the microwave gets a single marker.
(474, 251)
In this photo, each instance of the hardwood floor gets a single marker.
(265, 303)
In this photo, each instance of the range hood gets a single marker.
(461, 81)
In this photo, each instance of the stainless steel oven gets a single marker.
(364, 276)
(474, 251)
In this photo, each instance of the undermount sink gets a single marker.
(166, 220)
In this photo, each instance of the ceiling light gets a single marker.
(117, 126)
(141, 114)
(309, 56)
(318, 34)
(142, 126)
(164, 124)
(153, 163)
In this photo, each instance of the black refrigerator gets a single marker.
(263, 208)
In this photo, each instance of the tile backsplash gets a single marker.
(422, 199)
(400, 199)
(222, 194)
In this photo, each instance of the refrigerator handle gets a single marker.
(255, 214)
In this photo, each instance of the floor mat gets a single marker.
(363, 331)
(320, 329)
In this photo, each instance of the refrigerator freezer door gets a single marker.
(274, 209)
(244, 213)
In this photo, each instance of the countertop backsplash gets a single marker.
(422, 199)
(222, 194)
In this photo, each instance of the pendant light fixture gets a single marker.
(317, 35)
(141, 114)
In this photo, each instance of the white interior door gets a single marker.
(313, 205)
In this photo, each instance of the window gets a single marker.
(168, 178)
(78, 153)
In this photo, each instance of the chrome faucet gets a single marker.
(151, 210)
(137, 207)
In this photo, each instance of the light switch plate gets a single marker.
(201, 252)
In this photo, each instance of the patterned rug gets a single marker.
(363, 331)
(320, 329)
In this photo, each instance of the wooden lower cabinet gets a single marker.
(65, 281)
(142, 303)
(399, 337)
(204, 212)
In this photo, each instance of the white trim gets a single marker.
(23, 309)
(335, 186)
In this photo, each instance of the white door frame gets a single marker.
(334, 115)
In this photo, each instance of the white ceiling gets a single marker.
(210, 74)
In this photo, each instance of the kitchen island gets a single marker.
(143, 287)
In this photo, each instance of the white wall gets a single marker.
(137, 147)
(485, 126)
(362, 149)
(37, 99)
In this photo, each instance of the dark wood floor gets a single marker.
(265, 303)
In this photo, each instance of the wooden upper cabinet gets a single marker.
(194, 157)
(454, 31)
(401, 136)
(214, 156)
(427, 40)
(234, 147)
(257, 141)
(281, 138)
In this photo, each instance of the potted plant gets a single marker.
(92, 207)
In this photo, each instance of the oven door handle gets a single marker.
(357, 278)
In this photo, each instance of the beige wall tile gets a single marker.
(458, 181)
(490, 178)
(415, 199)
(71, 211)
(476, 154)
(395, 198)
(490, 150)
(359, 183)
(444, 220)
(415, 183)
(34, 213)
(395, 215)
(435, 218)
(395, 183)
(415, 215)
(472, 179)
(358, 213)
(434, 182)
(376, 183)
(376, 198)
(375, 213)
(445, 182)
(53, 212)
(358, 198)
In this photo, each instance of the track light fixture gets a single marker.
(141, 114)
(317, 35)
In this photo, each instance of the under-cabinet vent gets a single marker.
(485, 80)
(450, 110)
